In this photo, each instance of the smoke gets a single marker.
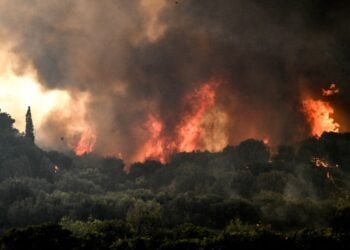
(139, 58)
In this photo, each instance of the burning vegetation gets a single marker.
(86, 143)
(204, 126)
(326, 165)
(194, 124)
(318, 114)
(189, 133)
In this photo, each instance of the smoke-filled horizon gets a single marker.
(148, 77)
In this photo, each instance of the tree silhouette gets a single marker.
(6, 123)
(29, 126)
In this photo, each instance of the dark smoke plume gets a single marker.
(264, 52)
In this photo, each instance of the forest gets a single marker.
(244, 196)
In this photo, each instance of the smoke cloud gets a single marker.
(135, 58)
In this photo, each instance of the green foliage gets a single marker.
(97, 234)
(69, 183)
(145, 216)
(199, 200)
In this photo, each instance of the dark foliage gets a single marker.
(29, 133)
(240, 197)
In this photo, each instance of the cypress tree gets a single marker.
(29, 134)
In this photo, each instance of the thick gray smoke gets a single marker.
(136, 59)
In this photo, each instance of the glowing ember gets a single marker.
(56, 169)
(86, 143)
(266, 141)
(320, 163)
(331, 90)
(318, 114)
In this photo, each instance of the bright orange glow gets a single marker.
(332, 90)
(154, 148)
(266, 141)
(190, 132)
(318, 114)
(86, 143)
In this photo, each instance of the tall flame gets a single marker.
(86, 143)
(190, 132)
(318, 114)
(154, 147)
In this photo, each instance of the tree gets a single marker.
(6, 123)
(145, 216)
(253, 151)
(29, 126)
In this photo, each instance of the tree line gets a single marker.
(199, 200)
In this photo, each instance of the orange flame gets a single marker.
(86, 143)
(154, 147)
(332, 90)
(318, 114)
(189, 133)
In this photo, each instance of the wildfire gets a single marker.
(154, 148)
(322, 163)
(332, 90)
(86, 143)
(318, 114)
(191, 131)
